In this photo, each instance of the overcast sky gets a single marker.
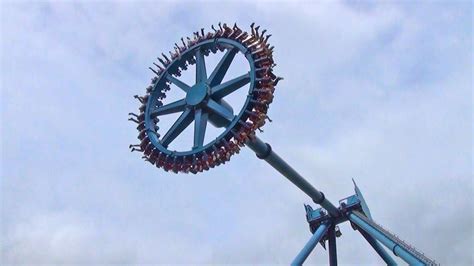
(377, 92)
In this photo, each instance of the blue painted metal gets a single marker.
(332, 245)
(170, 108)
(183, 86)
(313, 241)
(314, 215)
(384, 238)
(203, 103)
(201, 75)
(218, 120)
(200, 118)
(215, 90)
(218, 74)
(348, 206)
(350, 202)
(226, 88)
(377, 247)
(264, 151)
(363, 204)
(197, 94)
(181, 123)
(351, 206)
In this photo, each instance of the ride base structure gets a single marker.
(204, 103)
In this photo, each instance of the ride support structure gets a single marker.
(323, 221)
(205, 104)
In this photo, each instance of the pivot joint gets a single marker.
(266, 153)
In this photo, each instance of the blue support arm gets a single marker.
(399, 248)
(332, 245)
(264, 151)
(377, 247)
(313, 241)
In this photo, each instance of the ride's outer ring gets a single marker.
(172, 67)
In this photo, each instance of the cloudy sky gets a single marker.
(377, 92)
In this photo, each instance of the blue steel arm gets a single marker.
(377, 247)
(399, 248)
(332, 245)
(264, 151)
(313, 241)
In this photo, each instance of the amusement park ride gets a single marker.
(204, 102)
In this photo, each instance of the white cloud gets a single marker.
(61, 238)
(383, 92)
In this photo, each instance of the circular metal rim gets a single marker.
(174, 65)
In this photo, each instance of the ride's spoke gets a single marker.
(185, 87)
(201, 74)
(200, 123)
(230, 86)
(181, 124)
(220, 110)
(170, 108)
(221, 69)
